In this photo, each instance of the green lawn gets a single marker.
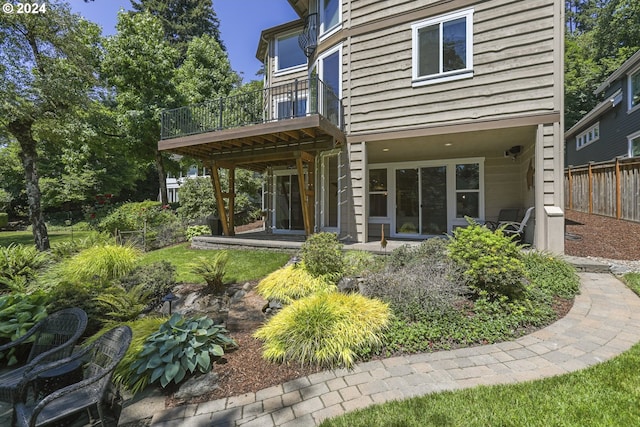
(633, 282)
(243, 264)
(603, 395)
(26, 237)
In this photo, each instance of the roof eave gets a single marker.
(596, 112)
(628, 64)
(268, 33)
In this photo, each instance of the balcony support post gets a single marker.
(307, 194)
(222, 212)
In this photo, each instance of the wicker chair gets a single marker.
(99, 359)
(53, 339)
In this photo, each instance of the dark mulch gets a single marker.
(600, 236)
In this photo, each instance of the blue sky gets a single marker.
(241, 22)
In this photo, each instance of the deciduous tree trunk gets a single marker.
(162, 179)
(21, 130)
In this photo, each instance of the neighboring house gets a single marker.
(175, 181)
(406, 115)
(612, 128)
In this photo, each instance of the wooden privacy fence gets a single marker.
(608, 188)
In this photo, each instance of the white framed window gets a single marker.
(443, 48)
(588, 136)
(378, 192)
(290, 105)
(634, 144)
(330, 12)
(634, 89)
(289, 55)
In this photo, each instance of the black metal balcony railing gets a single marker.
(298, 99)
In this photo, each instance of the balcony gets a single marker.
(303, 115)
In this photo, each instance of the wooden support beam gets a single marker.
(232, 199)
(215, 177)
(303, 197)
(305, 156)
(311, 176)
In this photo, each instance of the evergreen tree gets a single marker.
(183, 20)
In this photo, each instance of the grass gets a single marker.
(632, 280)
(26, 237)
(243, 265)
(602, 395)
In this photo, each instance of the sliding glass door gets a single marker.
(288, 207)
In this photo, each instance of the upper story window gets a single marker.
(634, 145)
(587, 137)
(634, 89)
(443, 48)
(330, 15)
(289, 56)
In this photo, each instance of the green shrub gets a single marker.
(359, 263)
(99, 264)
(197, 200)
(322, 255)
(82, 295)
(197, 230)
(325, 329)
(212, 270)
(68, 248)
(551, 275)
(135, 216)
(19, 265)
(292, 282)
(18, 313)
(4, 219)
(411, 254)
(181, 346)
(491, 260)
(157, 280)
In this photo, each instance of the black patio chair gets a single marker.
(53, 339)
(514, 228)
(505, 215)
(98, 360)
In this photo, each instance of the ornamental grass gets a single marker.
(326, 329)
(291, 283)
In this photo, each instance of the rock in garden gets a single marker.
(197, 386)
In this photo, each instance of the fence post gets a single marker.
(618, 191)
(590, 190)
(570, 190)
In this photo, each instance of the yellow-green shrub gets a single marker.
(326, 329)
(100, 263)
(292, 282)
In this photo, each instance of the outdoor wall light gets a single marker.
(170, 297)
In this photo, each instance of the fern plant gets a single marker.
(19, 265)
(121, 305)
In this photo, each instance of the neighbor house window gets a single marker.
(289, 55)
(634, 145)
(378, 192)
(634, 89)
(443, 48)
(587, 137)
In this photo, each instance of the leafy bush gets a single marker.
(358, 263)
(551, 275)
(407, 255)
(325, 329)
(196, 230)
(156, 279)
(322, 255)
(292, 282)
(135, 216)
(18, 313)
(197, 200)
(212, 270)
(82, 295)
(491, 260)
(4, 219)
(100, 264)
(19, 265)
(420, 290)
(181, 345)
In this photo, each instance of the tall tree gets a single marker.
(182, 20)
(48, 64)
(139, 63)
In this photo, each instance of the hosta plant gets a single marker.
(181, 345)
(325, 329)
(292, 282)
(18, 313)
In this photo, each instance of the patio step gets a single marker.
(587, 265)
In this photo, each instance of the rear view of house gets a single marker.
(406, 116)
